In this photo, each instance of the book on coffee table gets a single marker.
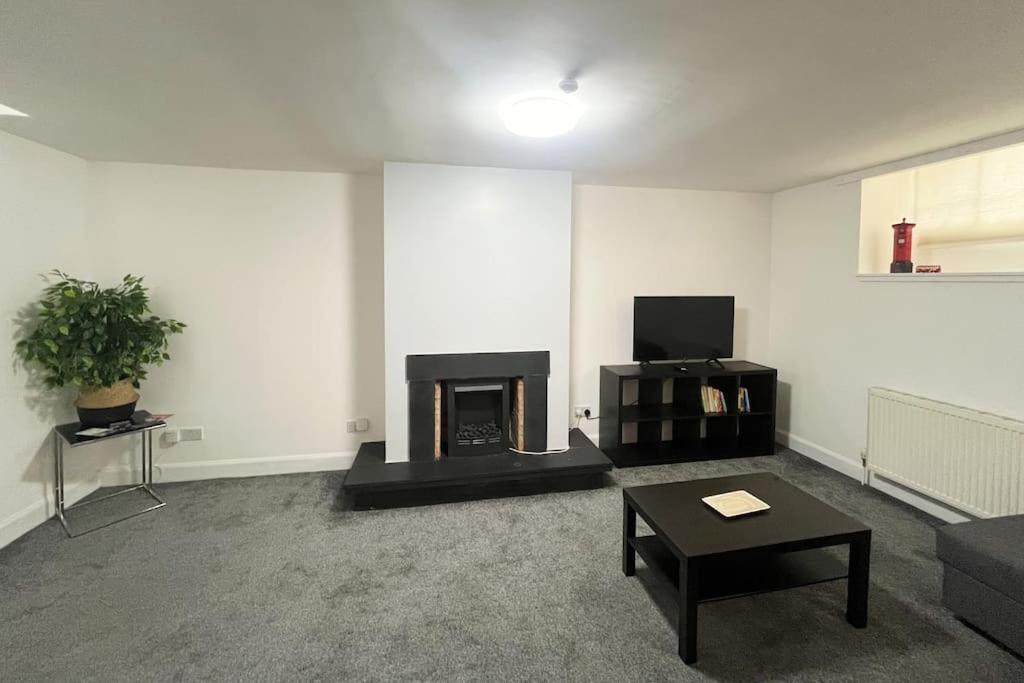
(736, 503)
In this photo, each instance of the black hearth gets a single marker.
(518, 411)
(468, 404)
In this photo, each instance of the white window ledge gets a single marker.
(940, 277)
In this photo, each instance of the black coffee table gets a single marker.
(709, 557)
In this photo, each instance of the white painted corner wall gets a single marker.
(475, 260)
(278, 277)
(630, 241)
(43, 199)
(832, 336)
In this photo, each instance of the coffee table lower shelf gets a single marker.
(725, 578)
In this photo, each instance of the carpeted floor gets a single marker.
(267, 579)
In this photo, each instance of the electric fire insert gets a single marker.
(477, 416)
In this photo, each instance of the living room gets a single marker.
(360, 227)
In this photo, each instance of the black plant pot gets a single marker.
(104, 417)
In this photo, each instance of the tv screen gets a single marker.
(682, 327)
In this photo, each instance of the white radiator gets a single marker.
(970, 460)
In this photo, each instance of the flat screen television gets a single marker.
(682, 327)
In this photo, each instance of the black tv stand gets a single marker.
(653, 414)
(646, 365)
(715, 363)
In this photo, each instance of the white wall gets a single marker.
(278, 276)
(476, 260)
(832, 336)
(630, 241)
(42, 218)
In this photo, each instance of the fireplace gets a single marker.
(477, 417)
(474, 404)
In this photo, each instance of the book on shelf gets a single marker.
(743, 401)
(712, 400)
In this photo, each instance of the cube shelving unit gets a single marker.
(653, 414)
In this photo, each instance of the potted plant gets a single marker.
(99, 340)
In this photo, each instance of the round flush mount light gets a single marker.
(543, 115)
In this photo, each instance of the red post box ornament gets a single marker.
(901, 247)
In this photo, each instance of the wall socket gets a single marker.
(173, 436)
(360, 424)
(191, 433)
(581, 411)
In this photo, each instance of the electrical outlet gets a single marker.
(191, 433)
(359, 424)
(170, 437)
(581, 411)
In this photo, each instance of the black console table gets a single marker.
(66, 436)
(658, 409)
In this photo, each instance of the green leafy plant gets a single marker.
(87, 336)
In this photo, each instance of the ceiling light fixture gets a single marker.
(543, 115)
(8, 111)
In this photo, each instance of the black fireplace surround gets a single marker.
(475, 395)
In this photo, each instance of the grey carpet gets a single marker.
(266, 579)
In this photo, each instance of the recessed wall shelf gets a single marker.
(940, 277)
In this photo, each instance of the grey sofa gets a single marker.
(983, 575)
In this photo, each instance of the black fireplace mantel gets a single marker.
(423, 370)
(437, 366)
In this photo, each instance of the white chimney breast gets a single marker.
(475, 260)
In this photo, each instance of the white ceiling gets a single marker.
(709, 94)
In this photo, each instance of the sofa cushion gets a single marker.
(989, 550)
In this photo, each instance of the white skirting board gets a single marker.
(855, 470)
(232, 468)
(32, 516)
(818, 453)
(29, 518)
